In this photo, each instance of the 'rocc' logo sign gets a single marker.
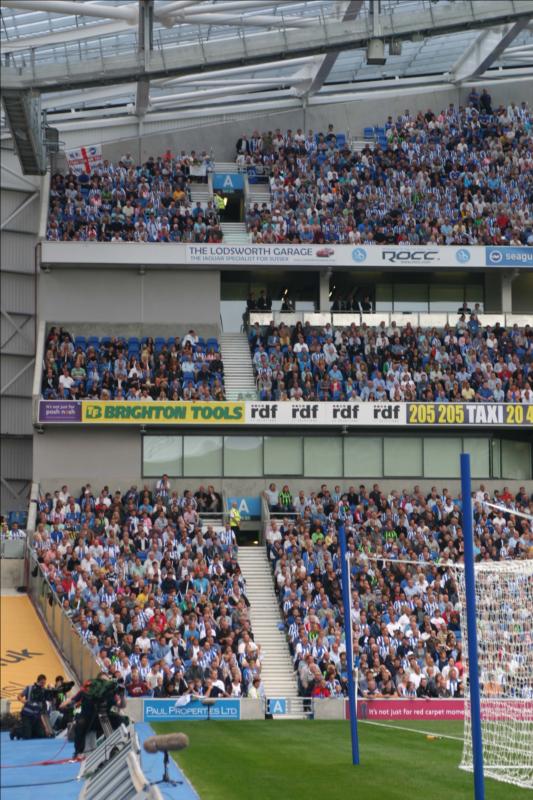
(409, 255)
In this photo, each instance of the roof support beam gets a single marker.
(486, 49)
(14, 214)
(327, 63)
(187, 98)
(64, 37)
(201, 77)
(107, 11)
(331, 35)
(181, 8)
(249, 21)
(161, 12)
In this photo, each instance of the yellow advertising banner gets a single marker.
(162, 413)
(26, 649)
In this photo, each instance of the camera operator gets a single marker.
(58, 695)
(31, 724)
(96, 701)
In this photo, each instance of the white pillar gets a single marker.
(324, 304)
(507, 292)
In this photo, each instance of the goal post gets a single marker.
(472, 646)
(497, 631)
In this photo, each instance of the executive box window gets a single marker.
(322, 456)
(402, 456)
(441, 456)
(283, 455)
(363, 455)
(162, 454)
(479, 450)
(333, 456)
(202, 455)
(516, 460)
(243, 455)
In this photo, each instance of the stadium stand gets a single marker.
(404, 596)
(155, 592)
(460, 176)
(133, 368)
(465, 363)
(127, 203)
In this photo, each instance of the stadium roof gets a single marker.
(147, 59)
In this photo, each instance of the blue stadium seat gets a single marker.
(368, 133)
(19, 517)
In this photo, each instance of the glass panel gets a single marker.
(474, 294)
(479, 456)
(410, 297)
(162, 454)
(442, 458)
(202, 456)
(496, 458)
(323, 456)
(384, 297)
(283, 455)
(363, 457)
(243, 456)
(445, 298)
(402, 456)
(516, 460)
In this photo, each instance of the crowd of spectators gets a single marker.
(405, 616)
(117, 368)
(124, 202)
(11, 531)
(462, 176)
(462, 363)
(154, 590)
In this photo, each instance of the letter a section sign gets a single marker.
(277, 705)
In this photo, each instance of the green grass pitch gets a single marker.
(311, 760)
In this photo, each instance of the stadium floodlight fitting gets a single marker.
(375, 52)
(395, 47)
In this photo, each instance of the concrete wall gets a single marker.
(17, 327)
(352, 116)
(11, 573)
(329, 708)
(103, 456)
(76, 456)
(185, 299)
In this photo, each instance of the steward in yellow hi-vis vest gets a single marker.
(235, 518)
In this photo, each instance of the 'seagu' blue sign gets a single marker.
(181, 708)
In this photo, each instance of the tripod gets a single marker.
(166, 778)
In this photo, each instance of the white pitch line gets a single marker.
(410, 730)
(508, 510)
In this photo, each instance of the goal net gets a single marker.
(504, 605)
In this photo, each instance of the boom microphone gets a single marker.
(169, 741)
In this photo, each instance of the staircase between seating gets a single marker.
(235, 233)
(277, 671)
(239, 380)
